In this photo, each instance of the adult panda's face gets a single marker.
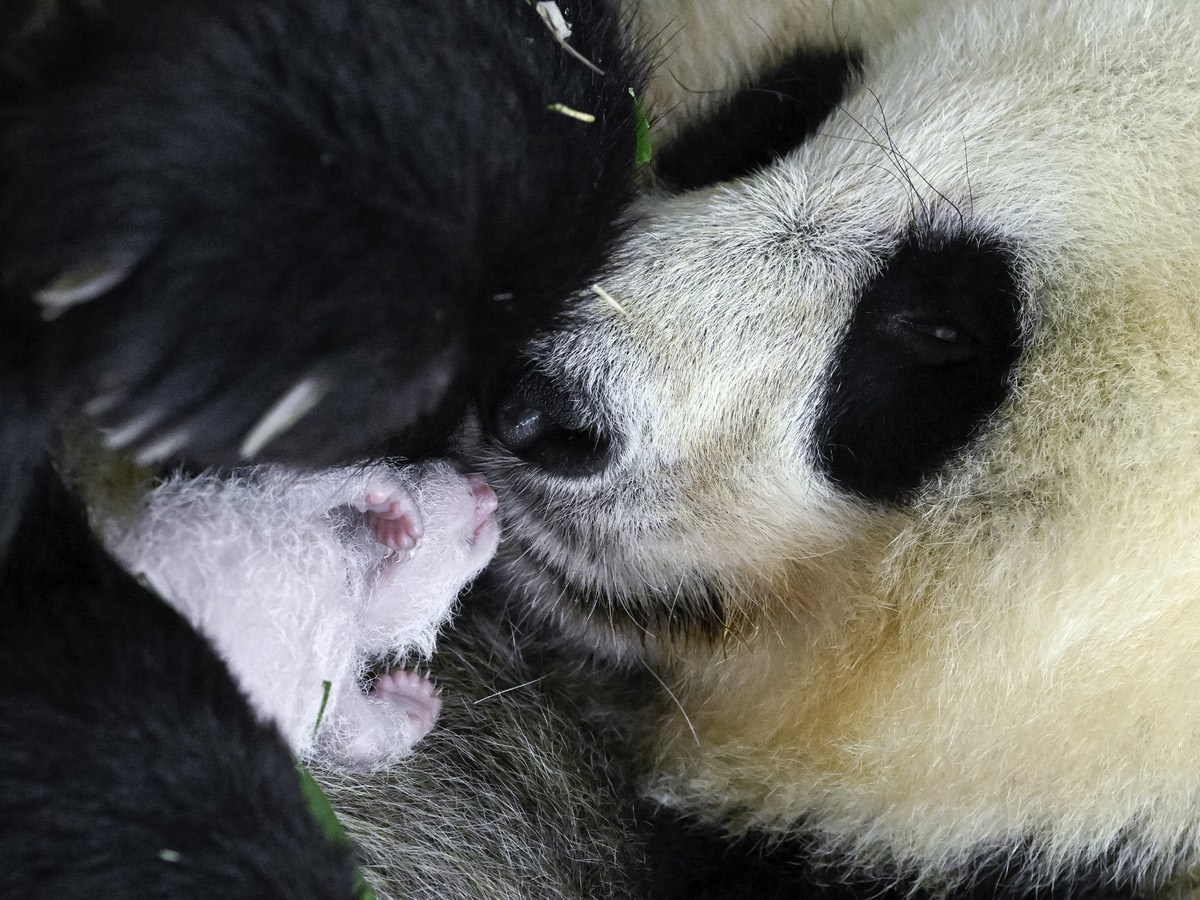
(947, 313)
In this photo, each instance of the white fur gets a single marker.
(282, 572)
(1012, 658)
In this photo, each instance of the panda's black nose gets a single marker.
(538, 421)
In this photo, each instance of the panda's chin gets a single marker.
(586, 619)
(610, 617)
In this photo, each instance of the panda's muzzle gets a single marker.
(539, 421)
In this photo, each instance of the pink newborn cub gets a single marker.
(302, 581)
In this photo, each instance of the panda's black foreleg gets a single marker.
(305, 229)
(130, 764)
(693, 859)
(24, 412)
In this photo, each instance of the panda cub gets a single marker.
(884, 455)
(130, 763)
(302, 581)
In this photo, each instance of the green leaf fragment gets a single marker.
(322, 811)
(326, 687)
(643, 152)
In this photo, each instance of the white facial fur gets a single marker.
(1010, 657)
(288, 575)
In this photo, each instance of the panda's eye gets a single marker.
(939, 331)
(931, 342)
(925, 361)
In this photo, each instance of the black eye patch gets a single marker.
(760, 123)
(926, 360)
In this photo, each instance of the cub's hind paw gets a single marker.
(416, 697)
(393, 517)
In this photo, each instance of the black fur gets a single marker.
(760, 123)
(692, 860)
(13, 16)
(926, 360)
(373, 193)
(25, 364)
(130, 765)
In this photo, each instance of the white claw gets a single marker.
(119, 438)
(162, 449)
(102, 403)
(81, 285)
(287, 411)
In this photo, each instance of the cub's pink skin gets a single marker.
(303, 580)
(403, 702)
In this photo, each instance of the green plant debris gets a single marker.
(643, 152)
(170, 856)
(571, 113)
(326, 687)
(560, 29)
(322, 811)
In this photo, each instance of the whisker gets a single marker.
(675, 700)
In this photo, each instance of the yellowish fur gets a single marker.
(1012, 659)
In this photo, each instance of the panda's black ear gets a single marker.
(762, 122)
(926, 360)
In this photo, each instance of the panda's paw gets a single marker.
(370, 731)
(392, 516)
(414, 696)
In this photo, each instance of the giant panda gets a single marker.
(882, 451)
(131, 764)
(772, 575)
